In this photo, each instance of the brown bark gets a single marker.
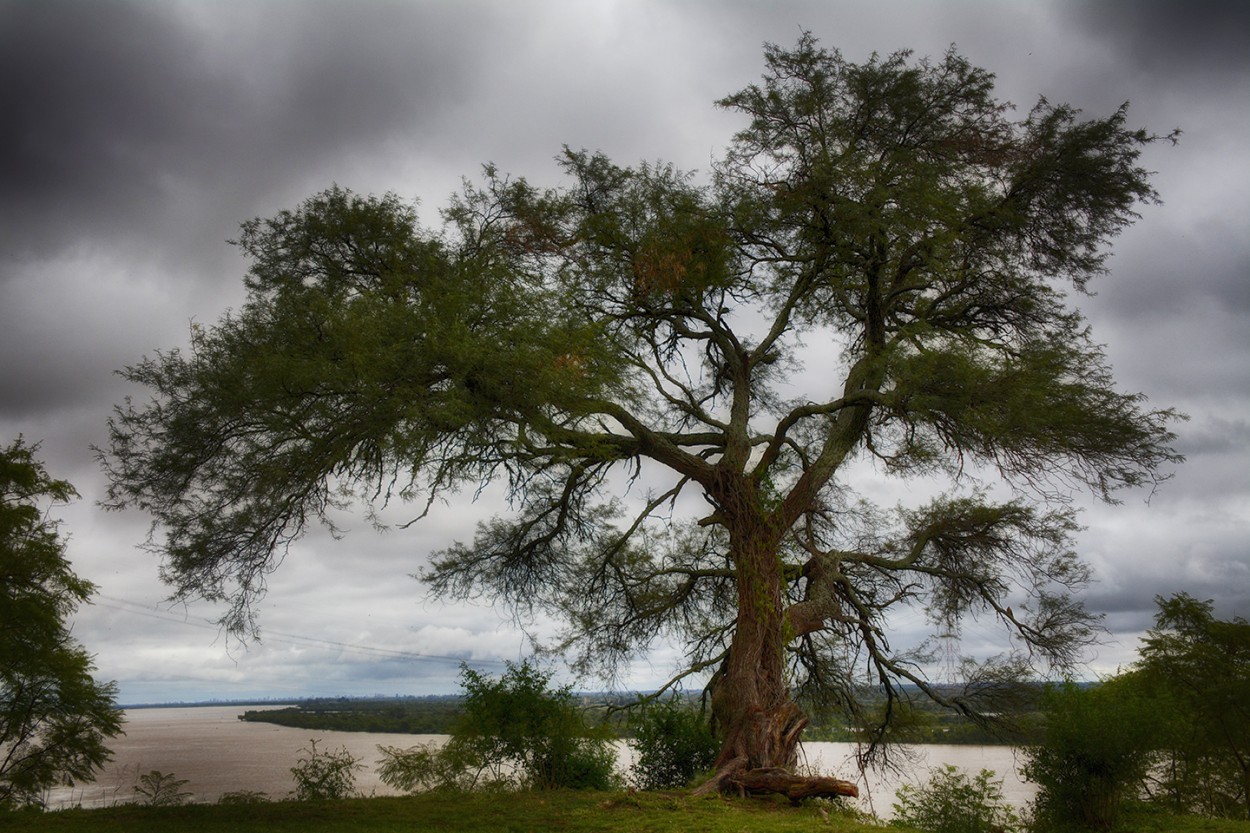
(794, 787)
(751, 704)
(770, 737)
(750, 697)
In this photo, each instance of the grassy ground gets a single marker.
(567, 812)
(560, 812)
(1145, 819)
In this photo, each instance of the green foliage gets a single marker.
(565, 811)
(325, 774)
(1098, 745)
(673, 743)
(1153, 817)
(514, 732)
(951, 802)
(54, 717)
(1197, 668)
(430, 766)
(162, 789)
(519, 722)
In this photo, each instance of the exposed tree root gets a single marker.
(735, 778)
(759, 755)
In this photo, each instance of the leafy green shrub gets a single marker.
(513, 732)
(951, 802)
(586, 765)
(674, 743)
(1096, 749)
(519, 724)
(161, 789)
(432, 766)
(325, 775)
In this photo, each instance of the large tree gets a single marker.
(680, 379)
(54, 717)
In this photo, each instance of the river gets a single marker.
(218, 753)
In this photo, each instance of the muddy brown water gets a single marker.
(217, 753)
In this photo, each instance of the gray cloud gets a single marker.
(1170, 37)
(98, 100)
(117, 112)
(136, 136)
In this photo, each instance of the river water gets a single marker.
(218, 753)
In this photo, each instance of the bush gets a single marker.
(514, 732)
(424, 768)
(952, 803)
(1096, 749)
(674, 743)
(160, 789)
(325, 775)
(587, 764)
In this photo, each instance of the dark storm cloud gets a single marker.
(1126, 596)
(1171, 37)
(97, 100)
(136, 136)
(116, 112)
(1162, 269)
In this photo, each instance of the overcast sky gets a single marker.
(135, 137)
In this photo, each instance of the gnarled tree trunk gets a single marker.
(752, 709)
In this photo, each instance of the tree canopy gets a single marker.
(54, 717)
(678, 379)
(1197, 669)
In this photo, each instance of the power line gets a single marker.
(949, 655)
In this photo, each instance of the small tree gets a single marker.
(54, 716)
(1200, 667)
(673, 743)
(1097, 746)
(162, 789)
(324, 774)
(514, 731)
(427, 767)
(951, 802)
(519, 722)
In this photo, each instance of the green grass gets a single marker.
(531, 812)
(1147, 819)
(572, 812)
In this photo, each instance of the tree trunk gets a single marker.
(752, 710)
